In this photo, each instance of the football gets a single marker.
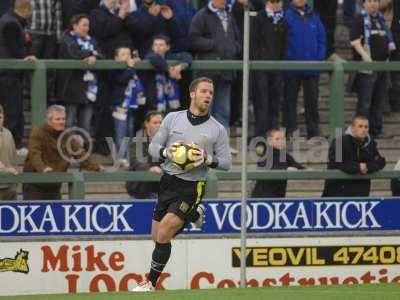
(182, 157)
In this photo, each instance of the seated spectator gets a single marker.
(127, 94)
(359, 156)
(271, 159)
(306, 42)
(7, 156)
(77, 89)
(269, 41)
(47, 155)
(371, 41)
(140, 159)
(166, 77)
(107, 26)
(150, 20)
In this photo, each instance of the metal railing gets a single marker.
(76, 180)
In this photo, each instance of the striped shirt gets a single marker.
(46, 17)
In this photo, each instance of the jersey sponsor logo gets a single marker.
(184, 207)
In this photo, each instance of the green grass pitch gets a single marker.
(351, 292)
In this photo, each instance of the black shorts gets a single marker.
(180, 197)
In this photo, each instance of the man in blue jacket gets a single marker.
(306, 42)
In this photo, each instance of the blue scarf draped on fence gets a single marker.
(167, 93)
(89, 77)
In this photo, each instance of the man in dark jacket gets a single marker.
(151, 19)
(394, 94)
(269, 42)
(306, 41)
(13, 45)
(214, 35)
(5, 6)
(359, 156)
(140, 160)
(107, 25)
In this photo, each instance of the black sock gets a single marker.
(161, 254)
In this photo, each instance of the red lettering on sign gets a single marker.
(53, 260)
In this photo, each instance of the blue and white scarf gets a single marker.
(368, 30)
(275, 15)
(167, 93)
(134, 93)
(89, 77)
(222, 14)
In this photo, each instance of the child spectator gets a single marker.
(274, 157)
(371, 41)
(166, 77)
(78, 88)
(127, 94)
(269, 42)
(306, 41)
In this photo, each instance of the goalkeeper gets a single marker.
(181, 191)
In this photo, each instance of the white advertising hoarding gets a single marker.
(92, 266)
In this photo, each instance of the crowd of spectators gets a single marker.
(115, 103)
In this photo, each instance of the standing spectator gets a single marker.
(127, 94)
(306, 41)
(272, 160)
(49, 154)
(7, 156)
(359, 156)
(45, 28)
(184, 12)
(327, 12)
(5, 6)
(371, 41)
(214, 35)
(394, 94)
(167, 77)
(140, 159)
(395, 182)
(71, 8)
(13, 45)
(269, 42)
(78, 88)
(107, 26)
(150, 20)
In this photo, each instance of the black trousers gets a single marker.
(12, 101)
(311, 94)
(327, 12)
(45, 47)
(372, 91)
(267, 95)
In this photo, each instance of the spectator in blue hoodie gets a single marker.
(306, 42)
